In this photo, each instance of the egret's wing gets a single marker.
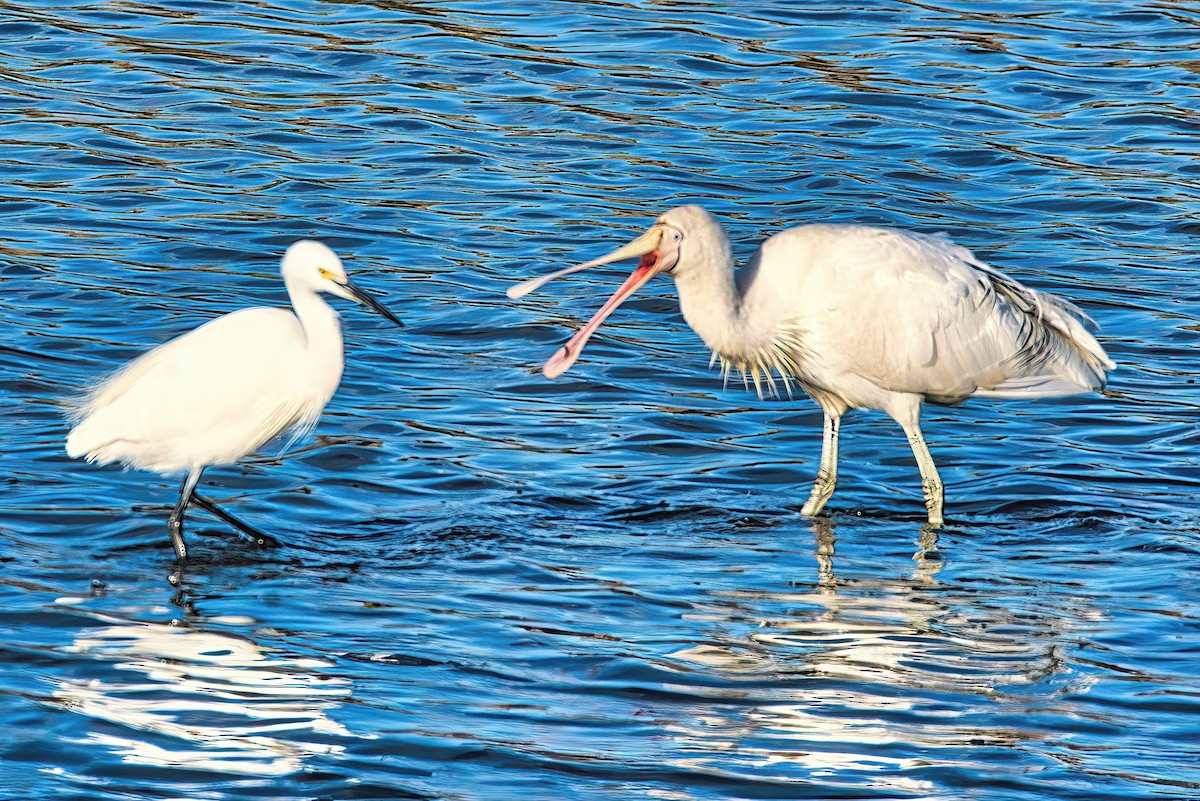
(219, 391)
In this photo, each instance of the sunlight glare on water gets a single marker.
(497, 586)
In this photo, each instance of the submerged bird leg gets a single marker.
(826, 481)
(931, 482)
(175, 521)
(248, 531)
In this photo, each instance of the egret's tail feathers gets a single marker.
(87, 440)
(102, 437)
(1075, 327)
(90, 441)
(74, 448)
(93, 430)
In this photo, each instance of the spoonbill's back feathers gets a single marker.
(913, 313)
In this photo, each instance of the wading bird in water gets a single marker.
(215, 394)
(861, 318)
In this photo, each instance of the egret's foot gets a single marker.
(935, 515)
(246, 531)
(822, 489)
(175, 529)
(262, 540)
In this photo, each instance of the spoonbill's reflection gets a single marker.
(846, 682)
(825, 549)
(204, 700)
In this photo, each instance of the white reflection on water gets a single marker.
(857, 644)
(218, 702)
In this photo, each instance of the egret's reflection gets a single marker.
(204, 700)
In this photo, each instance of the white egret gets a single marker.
(860, 318)
(215, 394)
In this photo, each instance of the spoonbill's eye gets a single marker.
(676, 236)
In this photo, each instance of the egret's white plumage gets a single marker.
(860, 318)
(221, 391)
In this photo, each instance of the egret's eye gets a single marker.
(326, 274)
(677, 236)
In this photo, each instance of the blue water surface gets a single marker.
(496, 586)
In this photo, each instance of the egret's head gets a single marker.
(314, 265)
(676, 242)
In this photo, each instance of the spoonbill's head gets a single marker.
(313, 265)
(674, 244)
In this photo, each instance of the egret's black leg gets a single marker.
(256, 536)
(175, 521)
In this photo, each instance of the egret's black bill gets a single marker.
(365, 298)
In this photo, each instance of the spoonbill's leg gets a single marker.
(254, 535)
(826, 481)
(931, 482)
(175, 521)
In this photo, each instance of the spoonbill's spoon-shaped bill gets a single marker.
(646, 243)
(645, 246)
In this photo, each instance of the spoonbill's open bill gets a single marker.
(860, 318)
(217, 393)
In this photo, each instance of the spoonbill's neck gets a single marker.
(715, 304)
(708, 294)
(709, 300)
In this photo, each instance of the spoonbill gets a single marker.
(860, 318)
(219, 392)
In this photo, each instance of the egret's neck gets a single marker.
(322, 331)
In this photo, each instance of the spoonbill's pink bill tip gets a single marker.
(559, 363)
(525, 287)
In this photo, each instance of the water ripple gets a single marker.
(493, 585)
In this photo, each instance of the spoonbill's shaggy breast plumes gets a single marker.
(860, 318)
(215, 394)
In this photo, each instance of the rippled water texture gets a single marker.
(495, 586)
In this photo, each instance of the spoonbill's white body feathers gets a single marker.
(904, 312)
(218, 393)
(860, 318)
